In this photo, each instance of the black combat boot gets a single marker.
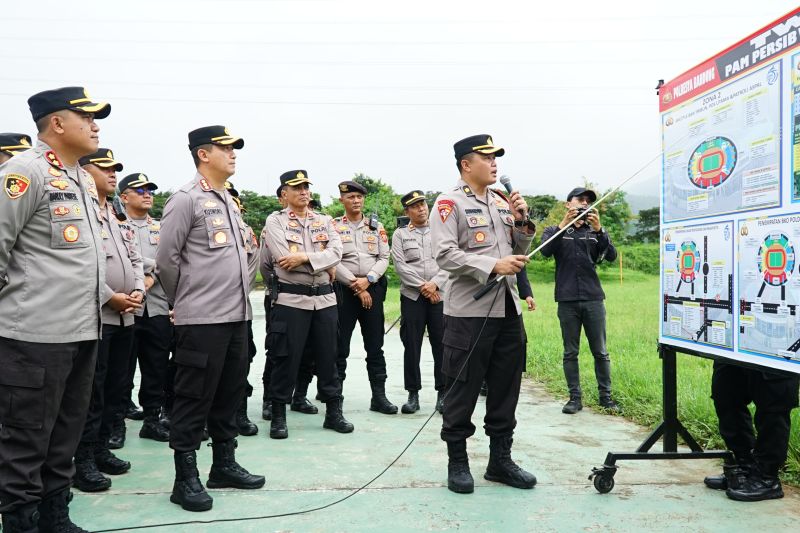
(733, 477)
(243, 424)
(503, 469)
(24, 519)
(412, 405)
(108, 463)
(266, 410)
(459, 478)
(379, 401)
(608, 403)
(54, 514)
(278, 429)
(572, 406)
(756, 487)
(187, 491)
(117, 439)
(163, 417)
(132, 412)
(87, 477)
(334, 419)
(152, 428)
(440, 402)
(300, 402)
(226, 472)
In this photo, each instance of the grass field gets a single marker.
(632, 325)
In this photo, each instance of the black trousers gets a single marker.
(304, 374)
(416, 315)
(152, 342)
(292, 332)
(108, 386)
(774, 395)
(372, 323)
(44, 396)
(498, 357)
(210, 375)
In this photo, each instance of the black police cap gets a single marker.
(218, 135)
(134, 181)
(351, 186)
(314, 204)
(412, 198)
(231, 189)
(580, 191)
(72, 98)
(481, 144)
(294, 177)
(14, 143)
(278, 192)
(103, 158)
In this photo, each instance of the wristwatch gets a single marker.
(523, 222)
(372, 278)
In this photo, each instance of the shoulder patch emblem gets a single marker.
(444, 207)
(15, 185)
(384, 237)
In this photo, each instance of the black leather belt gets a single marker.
(305, 290)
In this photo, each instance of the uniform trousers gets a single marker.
(108, 387)
(293, 333)
(44, 395)
(372, 324)
(416, 315)
(152, 341)
(733, 387)
(210, 376)
(498, 357)
(304, 374)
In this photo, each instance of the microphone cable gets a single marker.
(352, 492)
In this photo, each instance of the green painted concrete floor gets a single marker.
(315, 467)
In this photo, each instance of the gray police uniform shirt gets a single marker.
(364, 250)
(52, 265)
(123, 264)
(314, 235)
(414, 263)
(202, 257)
(469, 235)
(148, 232)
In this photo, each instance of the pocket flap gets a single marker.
(191, 358)
(454, 339)
(18, 375)
(277, 327)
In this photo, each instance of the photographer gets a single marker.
(580, 297)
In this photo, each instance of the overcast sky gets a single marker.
(385, 88)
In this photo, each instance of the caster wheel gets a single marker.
(604, 482)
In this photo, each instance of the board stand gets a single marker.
(668, 430)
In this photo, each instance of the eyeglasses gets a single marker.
(141, 190)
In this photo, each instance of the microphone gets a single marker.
(506, 181)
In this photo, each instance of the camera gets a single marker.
(581, 210)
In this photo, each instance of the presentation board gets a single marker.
(730, 201)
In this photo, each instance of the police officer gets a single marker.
(153, 331)
(202, 262)
(421, 282)
(122, 296)
(477, 234)
(304, 246)
(12, 144)
(579, 294)
(52, 272)
(362, 289)
(761, 453)
(245, 426)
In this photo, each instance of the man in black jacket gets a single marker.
(579, 295)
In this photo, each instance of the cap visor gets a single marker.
(497, 151)
(237, 142)
(414, 201)
(100, 111)
(13, 151)
(110, 163)
(298, 181)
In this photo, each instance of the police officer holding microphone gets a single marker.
(477, 235)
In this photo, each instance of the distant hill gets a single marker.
(640, 201)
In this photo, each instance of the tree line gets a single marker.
(545, 209)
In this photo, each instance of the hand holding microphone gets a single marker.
(515, 198)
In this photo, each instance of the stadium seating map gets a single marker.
(730, 202)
